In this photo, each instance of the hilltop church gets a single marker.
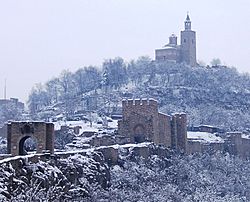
(184, 53)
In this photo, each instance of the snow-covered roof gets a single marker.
(147, 99)
(167, 47)
(208, 126)
(204, 137)
(245, 136)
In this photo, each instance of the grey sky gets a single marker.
(40, 38)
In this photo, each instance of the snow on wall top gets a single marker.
(245, 136)
(204, 137)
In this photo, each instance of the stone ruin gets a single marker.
(142, 122)
(18, 132)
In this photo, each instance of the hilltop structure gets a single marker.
(183, 53)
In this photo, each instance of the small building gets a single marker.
(170, 52)
(12, 102)
(235, 143)
(209, 129)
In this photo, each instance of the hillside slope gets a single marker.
(216, 95)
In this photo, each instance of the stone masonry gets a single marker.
(235, 143)
(142, 122)
(18, 132)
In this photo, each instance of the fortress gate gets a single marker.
(18, 132)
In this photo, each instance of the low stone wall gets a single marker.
(194, 147)
(3, 131)
(245, 148)
(110, 154)
(199, 147)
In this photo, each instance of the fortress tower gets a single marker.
(142, 122)
(188, 44)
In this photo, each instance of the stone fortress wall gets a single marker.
(235, 143)
(141, 121)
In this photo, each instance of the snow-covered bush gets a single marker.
(59, 179)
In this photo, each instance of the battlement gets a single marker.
(179, 116)
(142, 121)
(139, 102)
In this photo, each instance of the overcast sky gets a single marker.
(40, 38)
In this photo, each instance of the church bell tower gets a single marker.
(188, 44)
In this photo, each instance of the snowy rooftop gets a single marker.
(166, 47)
(245, 136)
(204, 137)
(209, 126)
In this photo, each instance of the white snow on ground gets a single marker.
(245, 136)
(113, 124)
(204, 137)
(117, 146)
(85, 126)
(18, 157)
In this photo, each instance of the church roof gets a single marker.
(168, 47)
(188, 18)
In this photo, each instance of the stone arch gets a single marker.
(22, 144)
(19, 132)
(139, 133)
